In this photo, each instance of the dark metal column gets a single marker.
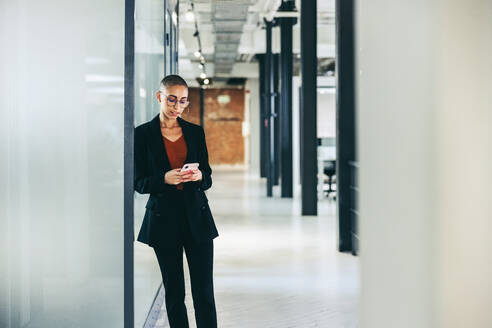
(270, 109)
(128, 191)
(263, 116)
(276, 110)
(202, 107)
(309, 65)
(301, 149)
(345, 119)
(286, 62)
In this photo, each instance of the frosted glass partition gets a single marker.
(149, 70)
(61, 163)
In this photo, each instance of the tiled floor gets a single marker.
(273, 267)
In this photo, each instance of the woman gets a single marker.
(177, 213)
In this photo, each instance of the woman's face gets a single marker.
(173, 101)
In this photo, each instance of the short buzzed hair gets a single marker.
(171, 81)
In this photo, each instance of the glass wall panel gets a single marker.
(149, 70)
(168, 43)
(61, 228)
(171, 42)
(175, 37)
(149, 56)
(175, 47)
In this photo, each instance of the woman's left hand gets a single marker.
(194, 175)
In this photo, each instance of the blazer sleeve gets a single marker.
(144, 181)
(206, 182)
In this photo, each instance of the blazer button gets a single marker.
(203, 207)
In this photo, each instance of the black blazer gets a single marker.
(160, 224)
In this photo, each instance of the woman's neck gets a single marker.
(167, 122)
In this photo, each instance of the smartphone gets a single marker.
(189, 167)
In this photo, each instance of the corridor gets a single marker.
(273, 267)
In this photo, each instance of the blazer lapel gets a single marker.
(158, 144)
(187, 136)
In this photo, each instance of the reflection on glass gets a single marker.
(149, 70)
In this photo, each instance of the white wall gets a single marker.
(326, 121)
(296, 150)
(326, 115)
(254, 125)
(423, 107)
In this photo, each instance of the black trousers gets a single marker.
(200, 264)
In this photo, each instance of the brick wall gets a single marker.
(224, 114)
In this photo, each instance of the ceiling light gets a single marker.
(198, 54)
(203, 75)
(189, 16)
(200, 66)
(206, 81)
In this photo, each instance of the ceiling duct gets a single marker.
(229, 18)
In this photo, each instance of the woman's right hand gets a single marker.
(174, 177)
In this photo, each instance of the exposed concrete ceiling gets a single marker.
(229, 18)
(232, 32)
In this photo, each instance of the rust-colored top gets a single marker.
(176, 152)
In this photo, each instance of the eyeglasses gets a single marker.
(172, 101)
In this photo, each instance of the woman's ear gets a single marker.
(158, 96)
